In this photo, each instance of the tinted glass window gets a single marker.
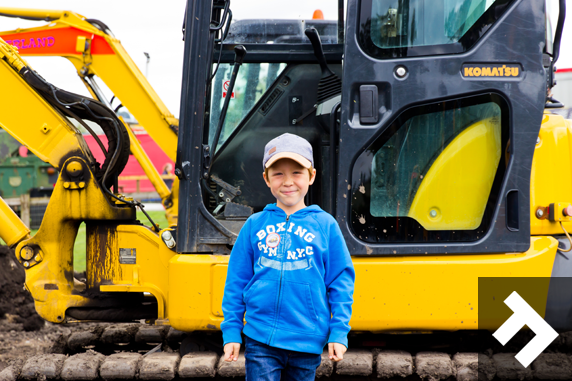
(252, 82)
(397, 28)
(434, 172)
(280, 31)
(282, 22)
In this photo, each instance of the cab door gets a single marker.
(441, 107)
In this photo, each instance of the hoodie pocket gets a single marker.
(297, 311)
(260, 300)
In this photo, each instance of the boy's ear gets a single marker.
(265, 179)
(313, 177)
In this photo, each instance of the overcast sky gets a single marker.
(155, 27)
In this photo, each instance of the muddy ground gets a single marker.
(22, 331)
(15, 303)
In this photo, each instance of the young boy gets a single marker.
(291, 272)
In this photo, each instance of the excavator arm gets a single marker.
(47, 134)
(119, 248)
(94, 51)
(91, 47)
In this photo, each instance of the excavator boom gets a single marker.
(93, 50)
(91, 47)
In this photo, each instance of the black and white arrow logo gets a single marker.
(524, 314)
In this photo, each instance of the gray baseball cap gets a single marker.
(288, 146)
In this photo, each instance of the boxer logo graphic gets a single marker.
(524, 314)
(272, 240)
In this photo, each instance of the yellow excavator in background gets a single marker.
(91, 47)
(85, 195)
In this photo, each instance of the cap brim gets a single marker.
(289, 155)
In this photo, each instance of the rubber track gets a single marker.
(357, 363)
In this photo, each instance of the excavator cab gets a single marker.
(275, 91)
(435, 124)
(424, 120)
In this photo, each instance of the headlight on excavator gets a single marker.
(167, 237)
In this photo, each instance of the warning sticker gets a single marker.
(225, 90)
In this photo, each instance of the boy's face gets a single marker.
(289, 181)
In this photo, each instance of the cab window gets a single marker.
(433, 174)
(283, 22)
(394, 28)
(252, 82)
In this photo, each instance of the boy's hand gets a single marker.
(231, 351)
(337, 351)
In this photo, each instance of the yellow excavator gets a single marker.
(435, 149)
(95, 52)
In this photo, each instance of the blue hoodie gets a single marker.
(294, 277)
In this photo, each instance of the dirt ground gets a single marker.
(22, 332)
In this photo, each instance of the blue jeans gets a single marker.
(266, 363)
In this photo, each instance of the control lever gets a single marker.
(330, 84)
(327, 103)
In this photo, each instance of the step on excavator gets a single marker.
(97, 54)
(434, 144)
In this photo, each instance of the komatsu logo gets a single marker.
(491, 70)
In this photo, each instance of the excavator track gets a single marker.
(147, 352)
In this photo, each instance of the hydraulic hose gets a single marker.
(75, 106)
(569, 240)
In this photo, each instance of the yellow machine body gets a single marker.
(414, 292)
(396, 293)
(550, 181)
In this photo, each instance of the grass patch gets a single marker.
(157, 216)
(79, 250)
(79, 247)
